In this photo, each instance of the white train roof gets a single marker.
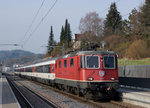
(38, 64)
(45, 63)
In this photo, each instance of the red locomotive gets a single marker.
(93, 74)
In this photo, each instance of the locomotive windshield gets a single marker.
(109, 62)
(92, 62)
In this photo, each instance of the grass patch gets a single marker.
(122, 62)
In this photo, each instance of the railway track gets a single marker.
(24, 103)
(110, 104)
(104, 104)
(27, 98)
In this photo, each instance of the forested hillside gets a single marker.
(8, 58)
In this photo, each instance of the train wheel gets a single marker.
(88, 95)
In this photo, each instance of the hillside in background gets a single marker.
(8, 58)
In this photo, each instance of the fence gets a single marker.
(138, 76)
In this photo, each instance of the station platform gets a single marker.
(7, 97)
(137, 96)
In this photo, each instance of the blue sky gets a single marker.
(17, 15)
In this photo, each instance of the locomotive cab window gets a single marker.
(65, 63)
(109, 62)
(71, 62)
(92, 62)
(59, 64)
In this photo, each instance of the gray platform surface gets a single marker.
(136, 96)
(7, 97)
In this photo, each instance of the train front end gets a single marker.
(99, 73)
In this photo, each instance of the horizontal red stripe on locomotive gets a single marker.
(88, 81)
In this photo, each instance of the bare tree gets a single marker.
(91, 23)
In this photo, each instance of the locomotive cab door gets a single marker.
(77, 71)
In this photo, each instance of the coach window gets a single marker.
(53, 68)
(46, 69)
(65, 63)
(71, 62)
(50, 68)
(29, 69)
(59, 64)
(22, 69)
(39, 69)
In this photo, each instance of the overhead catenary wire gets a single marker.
(129, 12)
(16, 45)
(30, 26)
(10, 45)
(43, 18)
(126, 14)
(108, 8)
(104, 10)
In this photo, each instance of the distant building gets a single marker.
(77, 41)
(87, 45)
(17, 65)
(0, 67)
(5, 69)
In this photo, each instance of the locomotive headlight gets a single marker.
(90, 79)
(112, 78)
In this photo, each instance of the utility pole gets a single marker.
(103, 45)
(1, 67)
(63, 49)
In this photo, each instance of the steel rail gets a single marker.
(21, 96)
(50, 103)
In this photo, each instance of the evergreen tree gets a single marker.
(145, 13)
(69, 37)
(134, 23)
(66, 30)
(65, 35)
(62, 34)
(113, 22)
(51, 41)
(144, 20)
